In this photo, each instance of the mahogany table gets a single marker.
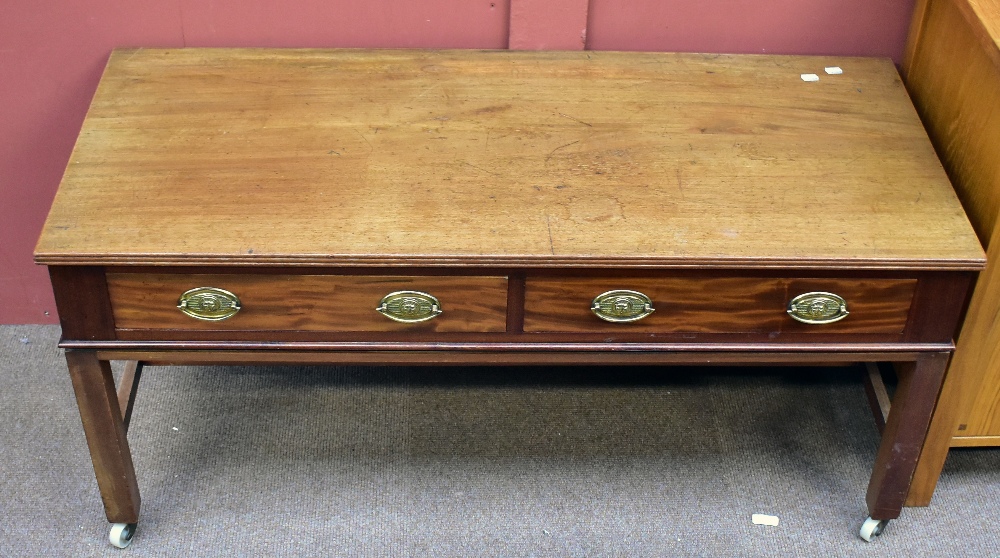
(442, 207)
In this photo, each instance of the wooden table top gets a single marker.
(502, 158)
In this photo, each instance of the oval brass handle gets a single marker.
(818, 308)
(209, 303)
(622, 306)
(409, 306)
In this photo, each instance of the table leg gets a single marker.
(905, 433)
(97, 400)
(127, 389)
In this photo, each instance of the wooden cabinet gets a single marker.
(952, 71)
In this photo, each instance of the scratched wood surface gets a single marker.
(346, 157)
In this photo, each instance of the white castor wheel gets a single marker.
(121, 534)
(872, 528)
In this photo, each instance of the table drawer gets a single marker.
(713, 304)
(308, 302)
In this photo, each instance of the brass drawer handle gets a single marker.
(209, 303)
(622, 306)
(409, 307)
(818, 308)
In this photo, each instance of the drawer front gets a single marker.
(713, 304)
(309, 302)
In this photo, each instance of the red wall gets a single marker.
(843, 27)
(52, 52)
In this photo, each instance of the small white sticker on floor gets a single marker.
(763, 519)
(833, 70)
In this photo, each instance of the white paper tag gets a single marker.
(809, 77)
(763, 519)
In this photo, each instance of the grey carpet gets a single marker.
(572, 461)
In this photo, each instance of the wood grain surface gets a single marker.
(308, 302)
(717, 305)
(952, 69)
(456, 158)
(953, 79)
